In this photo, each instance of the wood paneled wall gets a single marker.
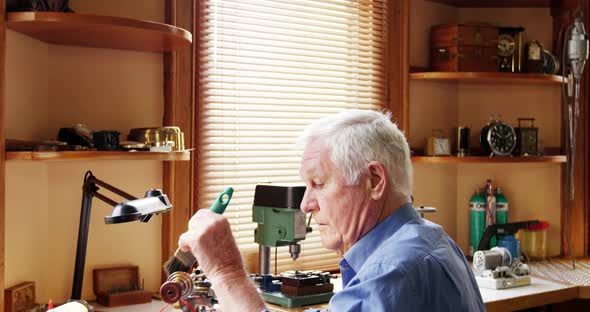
(2, 147)
(179, 111)
(575, 223)
(397, 62)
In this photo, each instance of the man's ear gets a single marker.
(378, 177)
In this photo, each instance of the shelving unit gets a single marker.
(97, 31)
(97, 155)
(88, 30)
(557, 159)
(495, 77)
(446, 100)
(496, 3)
(41, 57)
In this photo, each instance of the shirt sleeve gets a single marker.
(380, 288)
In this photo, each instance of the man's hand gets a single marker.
(210, 239)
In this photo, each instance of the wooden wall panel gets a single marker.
(398, 62)
(179, 111)
(2, 153)
(495, 3)
(575, 222)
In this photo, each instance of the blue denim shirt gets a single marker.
(406, 263)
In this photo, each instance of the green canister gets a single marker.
(501, 207)
(477, 220)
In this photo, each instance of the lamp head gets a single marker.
(140, 209)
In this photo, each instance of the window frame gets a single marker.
(178, 177)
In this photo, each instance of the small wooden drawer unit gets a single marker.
(119, 286)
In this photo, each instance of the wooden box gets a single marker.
(464, 48)
(119, 286)
(19, 298)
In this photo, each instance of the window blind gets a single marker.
(267, 69)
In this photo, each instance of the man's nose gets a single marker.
(309, 202)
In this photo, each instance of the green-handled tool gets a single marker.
(220, 203)
(185, 260)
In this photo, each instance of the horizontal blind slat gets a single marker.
(267, 68)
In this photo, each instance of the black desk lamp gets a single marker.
(140, 209)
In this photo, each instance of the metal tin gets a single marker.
(159, 136)
(463, 141)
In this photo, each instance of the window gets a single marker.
(267, 69)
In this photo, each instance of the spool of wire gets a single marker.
(179, 286)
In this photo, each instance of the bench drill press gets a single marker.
(282, 223)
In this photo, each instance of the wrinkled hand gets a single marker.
(210, 239)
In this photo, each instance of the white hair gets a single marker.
(357, 137)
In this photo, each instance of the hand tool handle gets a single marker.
(222, 201)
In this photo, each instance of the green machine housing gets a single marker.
(281, 222)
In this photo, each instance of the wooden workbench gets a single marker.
(552, 282)
(540, 292)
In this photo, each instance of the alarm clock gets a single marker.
(534, 57)
(497, 138)
(510, 49)
(527, 138)
(437, 144)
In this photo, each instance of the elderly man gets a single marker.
(357, 169)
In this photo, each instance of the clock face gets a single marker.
(529, 143)
(502, 139)
(442, 146)
(534, 52)
(506, 45)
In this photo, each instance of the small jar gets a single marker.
(534, 241)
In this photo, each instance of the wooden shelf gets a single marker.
(97, 31)
(492, 77)
(97, 155)
(486, 159)
(496, 3)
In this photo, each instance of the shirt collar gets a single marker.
(361, 250)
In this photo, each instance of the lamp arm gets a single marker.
(90, 190)
(82, 243)
(105, 199)
(94, 180)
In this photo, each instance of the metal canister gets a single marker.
(490, 197)
(501, 207)
(463, 141)
(477, 220)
